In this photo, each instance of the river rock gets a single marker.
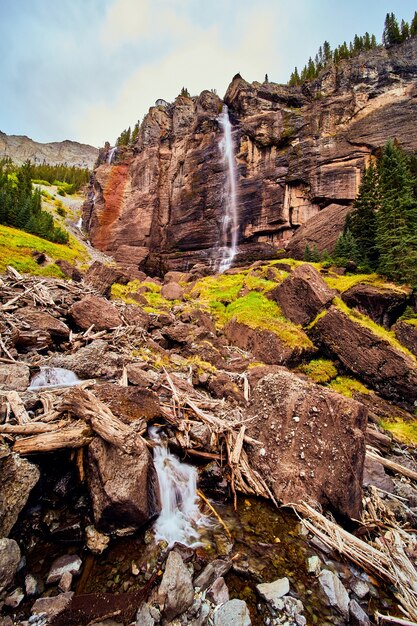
(14, 377)
(97, 311)
(123, 487)
(313, 443)
(383, 305)
(233, 613)
(335, 592)
(172, 291)
(303, 294)
(212, 572)
(102, 277)
(52, 607)
(218, 593)
(17, 479)
(357, 616)
(406, 333)
(9, 561)
(369, 355)
(272, 592)
(14, 599)
(67, 563)
(176, 592)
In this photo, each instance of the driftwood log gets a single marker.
(75, 436)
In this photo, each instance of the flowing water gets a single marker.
(53, 377)
(180, 519)
(111, 154)
(230, 225)
(80, 223)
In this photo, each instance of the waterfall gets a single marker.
(53, 377)
(111, 155)
(180, 519)
(230, 223)
(80, 223)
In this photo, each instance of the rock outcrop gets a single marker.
(382, 304)
(299, 156)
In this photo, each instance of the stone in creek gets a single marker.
(233, 613)
(144, 617)
(52, 606)
(65, 582)
(335, 592)
(357, 616)
(68, 563)
(313, 565)
(211, 572)
(272, 592)
(15, 598)
(176, 591)
(9, 561)
(218, 593)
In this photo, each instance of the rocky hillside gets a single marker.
(300, 152)
(21, 148)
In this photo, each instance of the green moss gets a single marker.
(256, 311)
(409, 316)
(320, 370)
(378, 330)
(347, 386)
(343, 283)
(405, 432)
(156, 303)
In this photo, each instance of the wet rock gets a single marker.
(123, 487)
(212, 572)
(335, 592)
(9, 561)
(102, 277)
(233, 613)
(68, 563)
(96, 542)
(176, 592)
(14, 377)
(357, 616)
(374, 474)
(14, 599)
(172, 291)
(129, 403)
(52, 607)
(17, 479)
(303, 294)
(382, 304)
(201, 434)
(369, 356)
(212, 481)
(406, 333)
(31, 585)
(95, 359)
(95, 311)
(303, 428)
(272, 592)
(218, 593)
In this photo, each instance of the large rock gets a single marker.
(313, 444)
(176, 591)
(123, 487)
(9, 561)
(383, 305)
(66, 564)
(267, 345)
(406, 332)
(369, 355)
(14, 377)
(233, 613)
(93, 310)
(53, 606)
(303, 294)
(95, 359)
(129, 403)
(17, 479)
(41, 321)
(102, 277)
(172, 291)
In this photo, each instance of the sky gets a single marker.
(86, 69)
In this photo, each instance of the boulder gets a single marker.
(383, 305)
(313, 442)
(303, 294)
(14, 376)
(17, 479)
(123, 487)
(132, 259)
(176, 591)
(336, 594)
(406, 333)
(233, 613)
(268, 346)
(136, 316)
(68, 563)
(172, 291)
(93, 310)
(69, 270)
(129, 403)
(41, 321)
(368, 355)
(9, 561)
(95, 359)
(102, 277)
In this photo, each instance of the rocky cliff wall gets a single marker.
(298, 151)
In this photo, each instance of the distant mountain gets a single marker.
(20, 148)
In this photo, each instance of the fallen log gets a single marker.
(31, 428)
(75, 436)
(17, 407)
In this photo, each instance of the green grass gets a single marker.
(405, 432)
(343, 283)
(156, 303)
(16, 248)
(319, 370)
(347, 386)
(256, 311)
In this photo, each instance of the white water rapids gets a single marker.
(180, 519)
(230, 224)
(53, 377)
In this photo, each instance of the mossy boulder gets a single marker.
(383, 305)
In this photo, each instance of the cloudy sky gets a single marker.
(86, 69)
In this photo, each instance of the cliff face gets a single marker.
(20, 148)
(299, 151)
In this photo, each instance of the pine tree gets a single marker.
(184, 92)
(405, 30)
(413, 25)
(396, 234)
(307, 253)
(135, 133)
(346, 249)
(294, 78)
(392, 33)
(361, 222)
